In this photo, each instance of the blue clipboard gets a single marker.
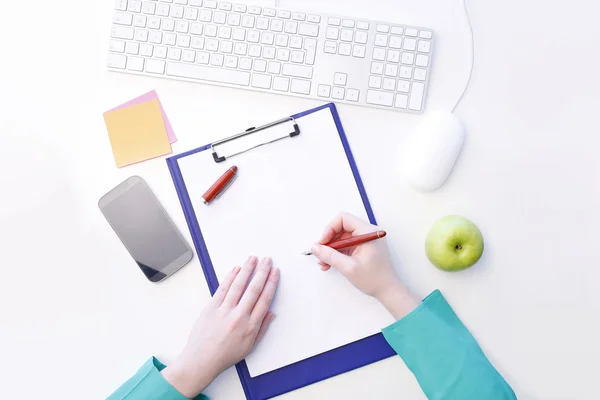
(302, 373)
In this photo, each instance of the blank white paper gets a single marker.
(284, 195)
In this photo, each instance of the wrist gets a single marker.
(398, 300)
(187, 379)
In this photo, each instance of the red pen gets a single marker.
(353, 241)
(220, 185)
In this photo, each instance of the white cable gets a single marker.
(472, 56)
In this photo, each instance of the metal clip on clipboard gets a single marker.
(251, 131)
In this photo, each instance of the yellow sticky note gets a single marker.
(137, 133)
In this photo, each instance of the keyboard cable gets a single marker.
(472, 56)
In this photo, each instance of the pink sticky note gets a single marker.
(148, 97)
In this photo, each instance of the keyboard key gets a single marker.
(188, 55)
(240, 49)
(352, 94)
(397, 30)
(389, 84)
(334, 21)
(338, 93)
(383, 28)
(281, 40)
(240, 8)
(405, 72)
(168, 25)
(226, 47)
(296, 42)
(381, 40)
(345, 49)
(262, 23)
(202, 57)
(205, 16)
(422, 60)
(225, 6)
(261, 81)
(330, 47)
(254, 10)
(323, 90)
(267, 38)
(248, 21)
(117, 46)
(391, 70)
(268, 53)
(380, 98)
(122, 19)
(283, 54)
(176, 12)
(234, 19)
(284, 14)
(291, 27)
(174, 54)
(361, 37)
(134, 6)
(411, 32)
(347, 35)
(315, 19)
(155, 66)
(254, 50)
(308, 30)
(396, 42)
(146, 50)
(163, 10)
(121, 5)
(408, 58)
(182, 26)
(141, 35)
(424, 46)
(196, 3)
(239, 34)
(420, 74)
(375, 82)
(153, 23)
(297, 71)
(217, 59)
(210, 4)
(425, 34)
(120, 32)
(393, 56)
(246, 63)
(169, 39)
(274, 67)
(277, 25)
(401, 101)
(191, 13)
(340, 78)
(155, 37)
(210, 30)
(298, 16)
(359, 51)
(261, 66)
(116, 61)
(310, 45)
(362, 25)
(379, 54)
(416, 96)
(332, 33)
(148, 8)
(219, 17)
(198, 43)
(410, 44)
(196, 28)
(403, 86)
(253, 36)
(297, 56)
(160, 52)
(183, 41)
(269, 12)
(231, 61)
(212, 44)
(300, 86)
(281, 83)
(348, 23)
(376, 68)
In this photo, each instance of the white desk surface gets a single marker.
(77, 317)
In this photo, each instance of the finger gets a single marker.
(224, 286)
(239, 283)
(340, 261)
(256, 285)
(325, 267)
(266, 297)
(263, 327)
(344, 222)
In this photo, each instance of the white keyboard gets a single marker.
(326, 57)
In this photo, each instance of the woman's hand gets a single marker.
(228, 328)
(368, 266)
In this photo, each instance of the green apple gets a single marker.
(454, 243)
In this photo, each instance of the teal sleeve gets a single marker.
(149, 384)
(444, 357)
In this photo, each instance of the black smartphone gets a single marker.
(146, 230)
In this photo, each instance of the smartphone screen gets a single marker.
(145, 229)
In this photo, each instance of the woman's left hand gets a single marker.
(228, 328)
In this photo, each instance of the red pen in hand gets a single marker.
(220, 185)
(353, 241)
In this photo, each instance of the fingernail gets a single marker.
(252, 260)
(236, 270)
(268, 261)
(271, 317)
(315, 249)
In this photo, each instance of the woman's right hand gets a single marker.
(368, 266)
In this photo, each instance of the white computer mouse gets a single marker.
(432, 149)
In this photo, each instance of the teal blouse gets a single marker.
(434, 344)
